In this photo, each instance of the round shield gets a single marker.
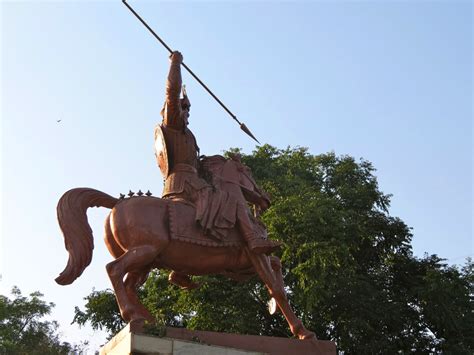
(161, 152)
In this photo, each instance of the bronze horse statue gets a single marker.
(144, 232)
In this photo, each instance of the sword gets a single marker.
(242, 125)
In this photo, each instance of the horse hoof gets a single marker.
(192, 286)
(301, 332)
(137, 325)
(136, 315)
(308, 335)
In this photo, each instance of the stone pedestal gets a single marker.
(179, 341)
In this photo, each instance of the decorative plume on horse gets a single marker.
(202, 225)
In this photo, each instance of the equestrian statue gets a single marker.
(201, 225)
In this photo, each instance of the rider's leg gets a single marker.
(256, 243)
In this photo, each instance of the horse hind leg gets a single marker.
(112, 246)
(131, 261)
(133, 281)
(269, 271)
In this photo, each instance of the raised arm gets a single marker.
(172, 111)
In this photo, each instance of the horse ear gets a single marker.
(236, 157)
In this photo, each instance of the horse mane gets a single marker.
(211, 162)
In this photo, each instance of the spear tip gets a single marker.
(244, 128)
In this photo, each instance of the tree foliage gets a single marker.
(22, 330)
(348, 266)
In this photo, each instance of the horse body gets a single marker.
(201, 260)
(146, 221)
(143, 233)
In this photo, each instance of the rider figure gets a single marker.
(181, 173)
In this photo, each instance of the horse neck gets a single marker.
(233, 189)
(229, 180)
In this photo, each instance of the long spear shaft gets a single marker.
(242, 125)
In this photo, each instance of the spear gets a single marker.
(242, 125)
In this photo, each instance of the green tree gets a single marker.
(348, 266)
(22, 330)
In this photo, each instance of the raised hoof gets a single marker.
(192, 286)
(183, 281)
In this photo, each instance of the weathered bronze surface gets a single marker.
(202, 224)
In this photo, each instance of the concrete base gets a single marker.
(180, 341)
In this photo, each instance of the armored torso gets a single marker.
(177, 156)
(181, 147)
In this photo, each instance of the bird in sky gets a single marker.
(58, 121)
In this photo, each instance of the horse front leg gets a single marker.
(182, 280)
(269, 271)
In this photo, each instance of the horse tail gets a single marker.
(77, 233)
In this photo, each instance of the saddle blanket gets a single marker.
(184, 227)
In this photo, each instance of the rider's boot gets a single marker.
(256, 243)
(262, 246)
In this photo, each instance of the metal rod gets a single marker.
(242, 125)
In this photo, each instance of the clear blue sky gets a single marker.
(390, 82)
